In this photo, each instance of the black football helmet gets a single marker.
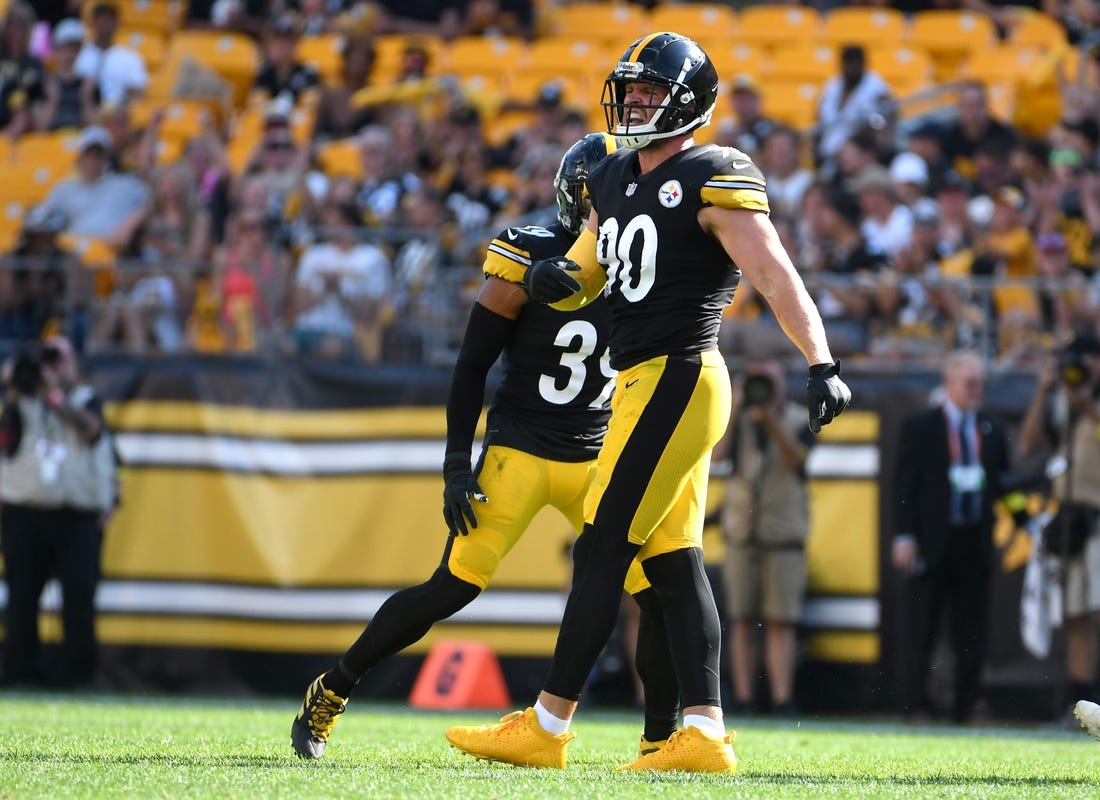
(679, 65)
(578, 161)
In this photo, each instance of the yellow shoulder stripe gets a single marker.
(735, 191)
(505, 261)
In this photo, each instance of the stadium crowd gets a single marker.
(322, 178)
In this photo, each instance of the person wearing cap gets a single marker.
(749, 127)
(119, 71)
(96, 201)
(1065, 302)
(887, 224)
(909, 173)
(281, 74)
(849, 101)
(70, 99)
(23, 75)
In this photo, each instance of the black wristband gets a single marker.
(453, 463)
(826, 370)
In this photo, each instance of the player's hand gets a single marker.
(549, 281)
(459, 487)
(826, 394)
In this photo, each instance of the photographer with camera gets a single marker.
(57, 484)
(1064, 419)
(765, 521)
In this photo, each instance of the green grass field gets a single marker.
(57, 746)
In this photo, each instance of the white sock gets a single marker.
(711, 727)
(550, 723)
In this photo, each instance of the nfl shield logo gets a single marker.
(631, 189)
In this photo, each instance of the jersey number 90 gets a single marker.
(632, 281)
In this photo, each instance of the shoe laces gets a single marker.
(507, 723)
(675, 739)
(325, 707)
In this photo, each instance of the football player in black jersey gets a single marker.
(543, 431)
(671, 225)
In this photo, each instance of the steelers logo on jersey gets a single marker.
(670, 194)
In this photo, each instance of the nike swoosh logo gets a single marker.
(512, 235)
(630, 383)
(740, 164)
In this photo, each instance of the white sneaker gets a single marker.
(1089, 716)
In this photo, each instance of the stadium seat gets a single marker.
(160, 17)
(778, 25)
(792, 102)
(341, 158)
(54, 148)
(697, 20)
(483, 55)
(576, 90)
(1037, 30)
(555, 56)
(11, 222)
(736, 59)
(389, 49)
(864, 25)
(325, 53)
(950, 36)
(615, 24)
(1002, 64)
(802, 63)
(150, 44)
(181, 119)
(906, 69)
(29, 183)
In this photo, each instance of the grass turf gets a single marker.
(80, 746)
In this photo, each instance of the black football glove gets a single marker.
(549, 281)
(826, 394)
(459, 485)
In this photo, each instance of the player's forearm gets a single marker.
(798, 316)
(482, 344)
(591, 277)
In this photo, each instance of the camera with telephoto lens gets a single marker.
(26, 369)
(759, 390)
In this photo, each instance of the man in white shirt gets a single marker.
(343, 291)
(848, 101)
(887, 224)
(119, 71)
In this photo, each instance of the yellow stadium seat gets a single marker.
(341, 158)
(149, 44)
(778, 25)
(1037, 30)
(615, 24)
(11, 220)
(180, 119)
(576, 90)
(325, 53)
(552, 56)
(55, 148)
(792, 102)
(389, 49)
(29, 183)
(950, 36)
(234, 56)
(864, 25)
(736, 59)
(1001, 64)
(483, 55)
(906, 69)
(696, 20)
(92, 251)
(802, 63)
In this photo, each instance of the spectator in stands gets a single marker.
(205, 157)
(182, 222)
(858, 152)
(974, 126)
(250, 277)
(1029, 167)
(119, 71)
(70, 99)
(534, 199)
(1011, 242)
(35, 279)
(23, 77)
(96, 201)
(910, 176)
(887, 224)
(1063, 294)
(432, 17)
(786, 180)
(342, 294)
(499, 18)
(282, 166)
(543, 130)
(281, 74)
(925, 141)
(337, 117)
(384, 183)
(749, 128)
(952, 195)
(849, 101)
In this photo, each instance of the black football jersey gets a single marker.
(667, 280)
(554, 398)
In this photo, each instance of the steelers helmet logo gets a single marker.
(670, 194)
